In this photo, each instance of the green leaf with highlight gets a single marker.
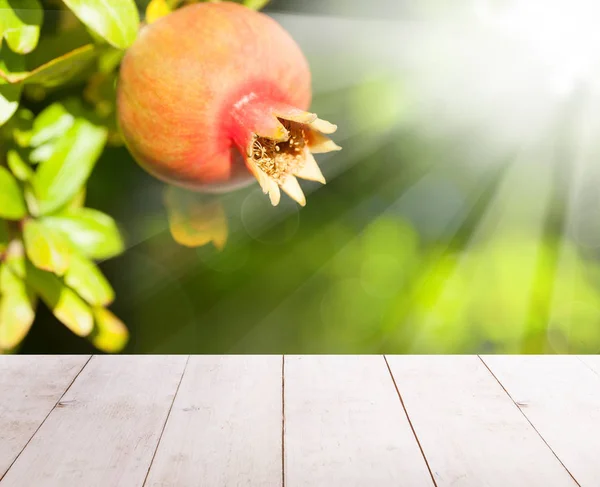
(12, 203)
(47, 248)
(64, 303)
(10, 95)
(20, 23)
(92, 232)
(117, 21)
(85, 279)
(110, 334)
(17, 309)
(62, 176)
(50, 124)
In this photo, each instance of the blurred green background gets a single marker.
(462, 216)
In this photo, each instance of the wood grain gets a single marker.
(471, 432)
(225, 426)
(561, 398)
(105, 429)
(30, 386)
(345, 426)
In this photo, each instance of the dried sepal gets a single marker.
(276, 163)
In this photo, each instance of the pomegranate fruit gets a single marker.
(214, 94)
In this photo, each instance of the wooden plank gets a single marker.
(225, 426)
(471, 432)
(561, 398)
(105, 429)
(345, 425)
(30, 386)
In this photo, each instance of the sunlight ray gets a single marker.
(517, 211)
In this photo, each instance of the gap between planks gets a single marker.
(166, 420)
(409, 421)
(527, 418)
(47, 416)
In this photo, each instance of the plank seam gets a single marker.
(409, 421)
(527, 418)
(164, 427)
(283, 420)
(588, 365)
(46, 417)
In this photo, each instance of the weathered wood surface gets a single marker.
(225, 425)
(30, 387)
(105, 429)
(345, 426)
(560, 395)
(221, 421)
(470, 430)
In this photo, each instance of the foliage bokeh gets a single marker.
(410, 247)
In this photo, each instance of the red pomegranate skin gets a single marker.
(200, 86)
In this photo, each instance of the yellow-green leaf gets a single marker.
(62, 176)
(85, 279)
(19, 167)
(54, 72)
(110, 334)
(92, 232)
(255, 4)
(17, 309)
(157, 9)
(20, 24)
(15, 258)
(47, 248)
(195, 219)
(12, 203)
(117, 21)
(66, 306)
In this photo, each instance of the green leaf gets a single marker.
(110, 334)
(17, 309)
(117, 21)
(21, 26)
(48, 127)
(19, 126)
(255, 4)
(47, 248)
(62, 176)
(55, 72)
(51, 123)
(109, 59)
(9, 94)
(18, 166)
(31, 200)
(66, 306)
(93, 233)
(85, 279)
(12, 204)
(42, 153)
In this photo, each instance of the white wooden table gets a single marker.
(299, 421)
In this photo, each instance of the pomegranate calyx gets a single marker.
(277, 157)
